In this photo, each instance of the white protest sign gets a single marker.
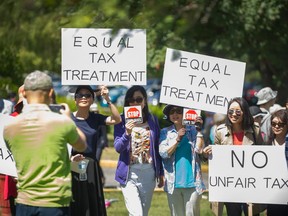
(248, 174)
(201, 82)
(133, 113)
(103, 56)
(7, 163)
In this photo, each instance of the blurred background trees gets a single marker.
(253, 31)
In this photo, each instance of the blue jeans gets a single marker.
(26, 210)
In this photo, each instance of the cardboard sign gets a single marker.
(201, 82)
(7, 163)
(190, 116)
(133, 113)
(248, 174)
(103, 56)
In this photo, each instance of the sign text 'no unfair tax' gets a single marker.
(103, 56)
(201, 82)
(247, 174)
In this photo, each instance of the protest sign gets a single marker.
(248, 174)
(201, 82)
(189, 116)
(133, 113)
(7, 163)
(103, 56)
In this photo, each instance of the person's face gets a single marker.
(137, 100)
(84, 98)
(176, 115)
(235, 114)
(278, 127)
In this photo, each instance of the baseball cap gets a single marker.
(265, 95)
(87, 87)
(37, 80)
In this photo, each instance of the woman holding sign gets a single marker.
(139, 163)
(279, 139)
(239, 129)
(179, 149)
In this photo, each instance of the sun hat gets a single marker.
(167, 109)
(265, 95)
(87, 87)
(37, 80)
(256, 111)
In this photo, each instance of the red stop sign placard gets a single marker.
(133, 113)
(191, 115)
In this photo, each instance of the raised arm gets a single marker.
(115, 116)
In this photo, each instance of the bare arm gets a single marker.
(173, 148)
(115, 116)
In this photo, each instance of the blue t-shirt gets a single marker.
(183, 167)
(90, 127)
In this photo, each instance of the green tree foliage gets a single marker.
(254, 31)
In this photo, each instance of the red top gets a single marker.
(238, 138)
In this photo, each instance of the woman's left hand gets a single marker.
(77, 157)
(207, 150)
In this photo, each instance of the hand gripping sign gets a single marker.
(133, 113)
(190, 116)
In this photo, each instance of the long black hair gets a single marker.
(130, 93)
(248, 120)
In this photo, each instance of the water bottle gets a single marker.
(82, 165)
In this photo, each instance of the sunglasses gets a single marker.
(176, 110)
(137, 100)
(279, 124)
(78, 95)
(237, 112)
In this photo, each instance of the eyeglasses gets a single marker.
(137, 100)
(176, 110)
(237, 112)
(279, 124)
(78, 95)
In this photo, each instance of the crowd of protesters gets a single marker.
(49, 184)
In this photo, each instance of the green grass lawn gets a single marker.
(159, 206)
